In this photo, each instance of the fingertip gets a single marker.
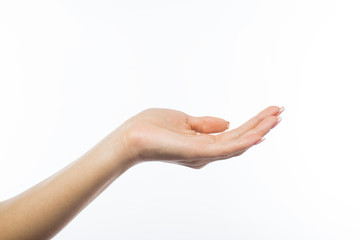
(277, 122)
(280, 110)
(269, 111)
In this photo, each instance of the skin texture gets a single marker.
(154, 134)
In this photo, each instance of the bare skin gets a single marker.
(154, 134)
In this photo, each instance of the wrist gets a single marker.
(121, 150)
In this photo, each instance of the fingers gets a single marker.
(253, 122)
(256, 135)
(205, 147)
(208, 124)
(241, 139)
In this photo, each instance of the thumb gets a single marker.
(208, 124)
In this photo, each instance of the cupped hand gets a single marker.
(173, 136)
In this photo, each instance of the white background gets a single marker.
(72, 71)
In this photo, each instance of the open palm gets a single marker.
(174, 136)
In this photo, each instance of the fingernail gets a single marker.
(227, 125)
(280, 111)
(277, 122)
(260, 141)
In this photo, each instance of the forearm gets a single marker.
(43, 210)
(154, 134)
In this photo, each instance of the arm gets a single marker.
(154, 134)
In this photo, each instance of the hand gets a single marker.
(154, 134)
(173, 136)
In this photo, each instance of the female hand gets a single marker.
(173, 136)
(154, 134)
